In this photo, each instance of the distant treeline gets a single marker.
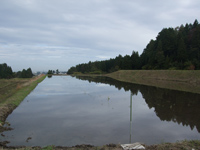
(53, 72)
(24, 73)
(7, 73)
(174, 48)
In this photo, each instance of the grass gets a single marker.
(179, 145)
(13, 92)
(182, 80)
(9, 87)
(51, 147)
(23, 92)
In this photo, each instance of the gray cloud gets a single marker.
(52, 34)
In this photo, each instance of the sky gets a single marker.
(58, 34)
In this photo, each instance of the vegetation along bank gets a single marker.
(12, 93)
(179, 145)
(182, 80)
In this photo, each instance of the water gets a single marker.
(66, 111)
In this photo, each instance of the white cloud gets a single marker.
(64, 33)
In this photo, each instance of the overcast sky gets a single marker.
(58, 34)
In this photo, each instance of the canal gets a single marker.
(68, 111)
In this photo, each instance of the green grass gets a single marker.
(9, 87)
(179, 145)
(182, 80)
(23, 92)
(15, 94)
(51, 147)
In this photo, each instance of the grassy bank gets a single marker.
(182, 145)
(13, 91)
(182, 80)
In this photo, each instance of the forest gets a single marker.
(173, 49)
(7, 73)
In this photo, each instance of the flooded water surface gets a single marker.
(67, 111)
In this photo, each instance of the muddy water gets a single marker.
(67, 111)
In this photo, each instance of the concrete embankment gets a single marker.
(182, 80)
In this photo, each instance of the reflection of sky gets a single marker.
(79, 112)
(147, 124)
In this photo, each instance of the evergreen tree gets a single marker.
(57, 71)
(181, 51)
(135, 58)
(5, 71)
(26, 73)
(29, 73)
(174, 48)
(160, 58)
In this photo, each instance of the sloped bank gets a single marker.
(182, 80)
(15, 99)
(180, 145)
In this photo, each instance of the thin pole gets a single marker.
(130, 117)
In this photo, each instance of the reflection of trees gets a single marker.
(106, 80)
(169, 105)
(176, 106)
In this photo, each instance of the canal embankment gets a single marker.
(179, 145)
(182, 80)
(13, 92)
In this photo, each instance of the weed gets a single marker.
(51, 147)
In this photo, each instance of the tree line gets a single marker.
(7, 73)
(25, 73)
(53, 72)
(174, 48)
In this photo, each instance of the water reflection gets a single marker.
(130, 141)
(169, 105)
(76, 111)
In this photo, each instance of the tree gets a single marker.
(29, 73)
(26, 73)
(57, 71)
(135, 58)
(174, 48)
(195, 24)
(160, 58)
(72, 70)
(50, 72)
(181, 51)
(5, 71)
(23, 73)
